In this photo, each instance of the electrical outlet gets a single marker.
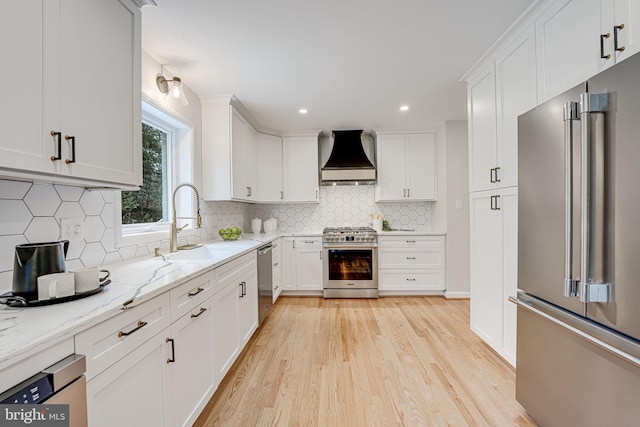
(72, 228)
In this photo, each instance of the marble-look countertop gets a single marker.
(29, 330)
(411, 233)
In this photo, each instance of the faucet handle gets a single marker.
(179, 229)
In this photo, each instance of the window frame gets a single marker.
(179, 169)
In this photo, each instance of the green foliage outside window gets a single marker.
(149, 203)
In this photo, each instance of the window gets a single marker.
(151, 203)
(166, 161)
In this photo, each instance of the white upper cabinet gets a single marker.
(229, 152)
(270, 168)
(626, 28)
(300, 162)
(579, 38)
(497, 95)
(406, 164)
(515, 95)
(77, 82)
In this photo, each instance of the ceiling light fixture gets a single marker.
(303, 111)
(173, 90)
(404, 108)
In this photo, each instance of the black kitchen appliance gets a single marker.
(33, 260)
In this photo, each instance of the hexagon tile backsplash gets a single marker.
(34, 213)
(345, 206)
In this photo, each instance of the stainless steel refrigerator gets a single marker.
(578, 348)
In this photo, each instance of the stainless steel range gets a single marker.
(350, 262)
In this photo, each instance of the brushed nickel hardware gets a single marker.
(202, 310)
(193, 294)
(602, 37)
(73, 149)
(58, 137)
(172, 359)
(243, 289)
(615, 38)
(140, 325)
(491, 172)
(404, 192)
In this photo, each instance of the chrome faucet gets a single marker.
(173, 243)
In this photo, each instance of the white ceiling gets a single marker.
(351, 63)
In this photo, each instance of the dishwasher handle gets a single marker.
(66, 371)
(265, 249)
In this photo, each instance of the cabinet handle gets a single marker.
(241, 290)
(494, 203)
(309, 241)
(411, 280)
(410, 241)
(281, 195)
(316, 194)
(411, 257)
(193, 294)
(404, 192)
(320, 254)
(497, 176)
(73, 148)
(602, 37)
(615, 38)
(58, 137)
(172, 359)
(408, 192)
(202, 310)
(141, 324)
(248, 191)
(275, 265)
(491, 175)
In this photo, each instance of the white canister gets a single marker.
(270, 225)
(377, 225)
(256, 225)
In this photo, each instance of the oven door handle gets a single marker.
(351, 246)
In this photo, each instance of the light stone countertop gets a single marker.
(29, 330)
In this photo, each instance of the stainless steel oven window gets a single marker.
(350, 264)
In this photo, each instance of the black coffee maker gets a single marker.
(33, 260)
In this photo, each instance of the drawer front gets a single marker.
(308, 242)
(418, 258)
(111, 340)
(411, 241)
(233, 270)
(410, 280)
(189, 295)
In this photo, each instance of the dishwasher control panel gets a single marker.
(34, 390)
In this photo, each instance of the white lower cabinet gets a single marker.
(134, 391)
(235, 311)
(494, 261)
(277, 269)
(159, 363)
(191, 379)
(302, 263)
(411, 263)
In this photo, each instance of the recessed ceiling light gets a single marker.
(303, 111)
(404, 108)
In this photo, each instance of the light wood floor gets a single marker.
(387, 362)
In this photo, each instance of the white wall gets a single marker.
(457, 219)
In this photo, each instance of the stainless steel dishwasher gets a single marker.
(61, 383)
(265, 281)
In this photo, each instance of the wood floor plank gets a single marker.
(394, 361)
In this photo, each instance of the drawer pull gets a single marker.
(309, 241)
(411, 241)
(275, 265)
(172, 359)
(411, 280)
(411, 257)
(141, 324)
(193, 294)
(202, 310)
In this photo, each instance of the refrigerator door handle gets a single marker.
(588, 292)
(570, 111)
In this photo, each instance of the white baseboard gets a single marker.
(456, 295)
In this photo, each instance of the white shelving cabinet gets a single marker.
(300, 163)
